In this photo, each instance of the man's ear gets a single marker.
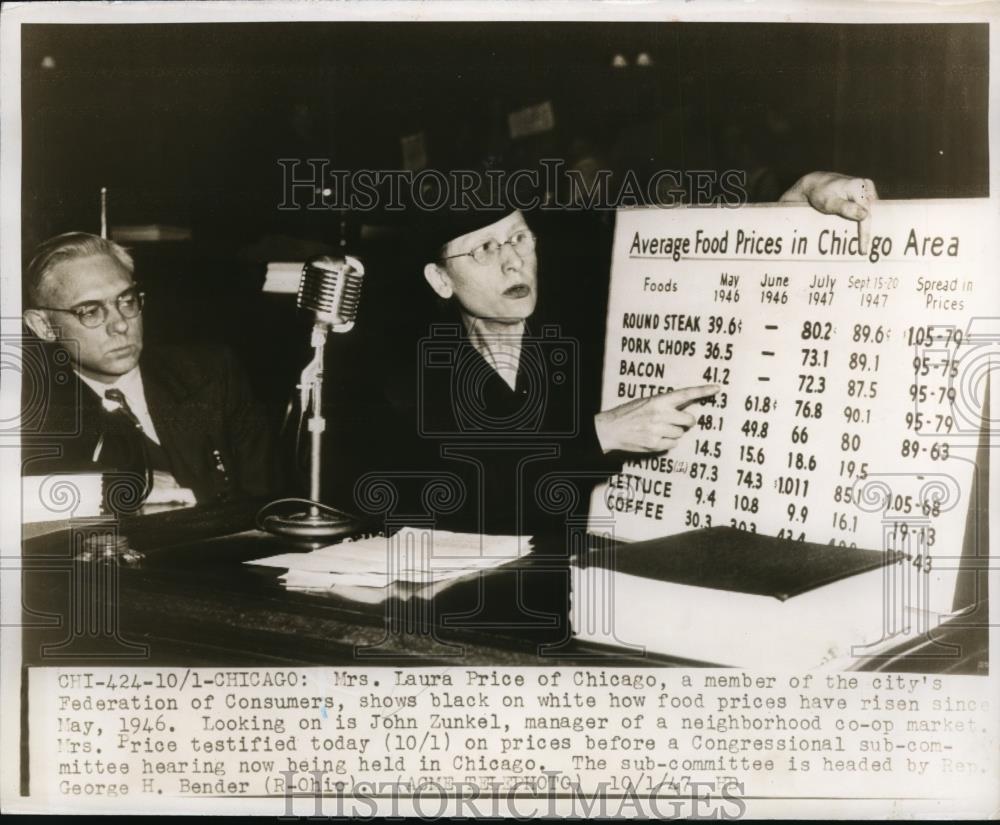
(39, 324)
(439, 280)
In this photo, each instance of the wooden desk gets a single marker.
(193, 602)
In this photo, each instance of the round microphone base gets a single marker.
(310, 526)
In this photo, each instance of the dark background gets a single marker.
(184, 124)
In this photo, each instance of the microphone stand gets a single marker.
(317, 424)
(314, 524)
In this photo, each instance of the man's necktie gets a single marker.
(116, 396)
(125, 440)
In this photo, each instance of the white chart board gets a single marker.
(853, 385)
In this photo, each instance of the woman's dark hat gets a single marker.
(464, 212)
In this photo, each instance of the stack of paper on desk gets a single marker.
(410, 562)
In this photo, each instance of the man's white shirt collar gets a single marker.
(130, 385)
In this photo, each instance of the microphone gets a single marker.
(330, 287)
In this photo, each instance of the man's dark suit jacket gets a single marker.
(200, 403)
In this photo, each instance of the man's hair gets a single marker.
(67, 247)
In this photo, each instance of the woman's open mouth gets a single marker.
(519, 291)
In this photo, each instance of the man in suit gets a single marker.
(182, 418)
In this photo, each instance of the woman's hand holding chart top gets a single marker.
(835, 194)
